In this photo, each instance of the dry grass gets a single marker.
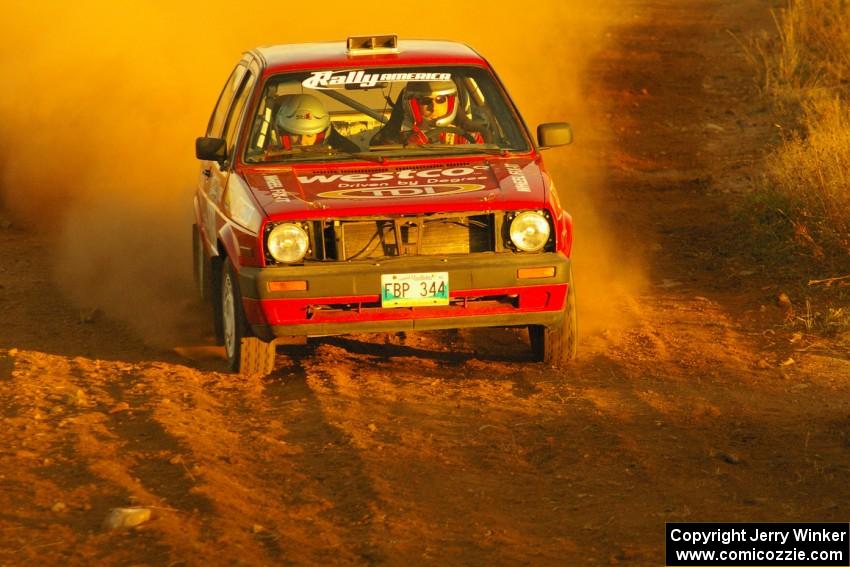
(811, 170)
(805, 68)
(829, 321)
(809, 50)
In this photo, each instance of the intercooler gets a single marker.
(430, 235)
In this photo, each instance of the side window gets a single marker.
(217, 121)
(232, 123)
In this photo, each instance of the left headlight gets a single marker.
(288, 243)
(530, 231)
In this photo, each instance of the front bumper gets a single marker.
(344, 297)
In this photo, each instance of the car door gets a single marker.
(223, 124)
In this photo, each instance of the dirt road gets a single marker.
(455, 448)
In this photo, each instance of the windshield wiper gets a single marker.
(363, 155)
(311, 152)
(489, 149)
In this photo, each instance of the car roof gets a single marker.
(329, 55)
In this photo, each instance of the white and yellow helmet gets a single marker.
(302, 114)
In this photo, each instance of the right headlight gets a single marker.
(288, 243)
(530, 231)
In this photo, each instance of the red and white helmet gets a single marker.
(419, 93)
(299, 115)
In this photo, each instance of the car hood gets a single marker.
(448, 186)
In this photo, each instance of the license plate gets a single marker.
(414, 290)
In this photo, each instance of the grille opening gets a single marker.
(419, 236)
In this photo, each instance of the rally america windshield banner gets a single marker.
(364, 80)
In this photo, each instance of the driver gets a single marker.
(302, 120)
(430, 109)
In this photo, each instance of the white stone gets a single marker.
(120, 518)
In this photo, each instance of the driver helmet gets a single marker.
(431, 103)
(302, 120)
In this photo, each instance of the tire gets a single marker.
(201, 269)
(246, 354)
(557, 345)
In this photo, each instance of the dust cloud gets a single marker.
(101, 104)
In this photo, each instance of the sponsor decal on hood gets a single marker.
(401, 191)
(518, 183)
(475, 174)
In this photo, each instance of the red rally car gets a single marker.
(377, 185)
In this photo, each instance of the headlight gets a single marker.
(530, 231)
(288, 243)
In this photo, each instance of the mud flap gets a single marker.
(256, 357)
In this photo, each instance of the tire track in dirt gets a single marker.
(225, 458)
(79, 464)
(342, 508)
(399, 405)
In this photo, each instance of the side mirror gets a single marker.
(211, 149)
(554, 134)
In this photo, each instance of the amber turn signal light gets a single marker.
(297, 285)
(527, 273)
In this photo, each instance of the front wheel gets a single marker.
(246, 354)
(557, 345)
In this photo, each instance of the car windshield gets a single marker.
(382, 113)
